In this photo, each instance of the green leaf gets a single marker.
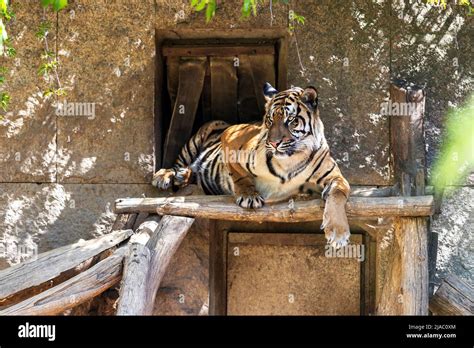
(4, 101)
(201, 5)
(194, 3)
(46, 3)
(254, 7)
(246, 8)
(59, 5)
(210, 10)
(456, 156)
(3, 5)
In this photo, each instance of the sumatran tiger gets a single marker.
(267, 161)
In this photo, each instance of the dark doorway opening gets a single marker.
(199, 80)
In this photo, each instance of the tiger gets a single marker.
(269, 161)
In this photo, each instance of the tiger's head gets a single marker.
(291, 120)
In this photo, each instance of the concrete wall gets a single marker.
(60, 175)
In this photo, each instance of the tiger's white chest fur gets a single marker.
(278, 186)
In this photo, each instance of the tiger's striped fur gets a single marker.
(267, 161)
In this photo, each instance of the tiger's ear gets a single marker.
(310, 97)
(269, 91)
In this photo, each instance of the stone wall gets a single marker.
(60, 175)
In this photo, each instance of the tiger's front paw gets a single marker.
(335, 225)
(164, 178)
(252, 201)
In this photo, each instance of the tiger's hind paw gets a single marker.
(252, 201)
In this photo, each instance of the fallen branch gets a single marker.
(53, 267)
(74, 291)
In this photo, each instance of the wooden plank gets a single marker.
(224, 208)
(263, 67)
(172, 75)
(217, 51)
(248, 106)
(281, 62)
(224, 89)
(74, 291)
(191, 80)
(217, 270)
(163, 244)
(454, 297)
(53, 267)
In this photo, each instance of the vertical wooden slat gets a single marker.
(206, 96)
(224, 89)
(247, 105)
(191, 80)
(172, 72)
(263, 67)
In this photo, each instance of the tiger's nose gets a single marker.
(274, 144)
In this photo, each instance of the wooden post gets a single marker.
(132, 298)
(454, 297)
(217, 270)
(163, 244)
(406, 286)
(147, 263)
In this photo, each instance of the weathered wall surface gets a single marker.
(60, 175)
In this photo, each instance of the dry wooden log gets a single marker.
(53, 267)
(74, 291)
(147, 263)
(132, 299)
(104, 304)
(224, 208)
(454, 297)
(163, 244)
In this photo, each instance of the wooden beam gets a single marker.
(224, 208)
(217, 51)
(163, 244)
(454, 297)
(74, 291)
(53, 267)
